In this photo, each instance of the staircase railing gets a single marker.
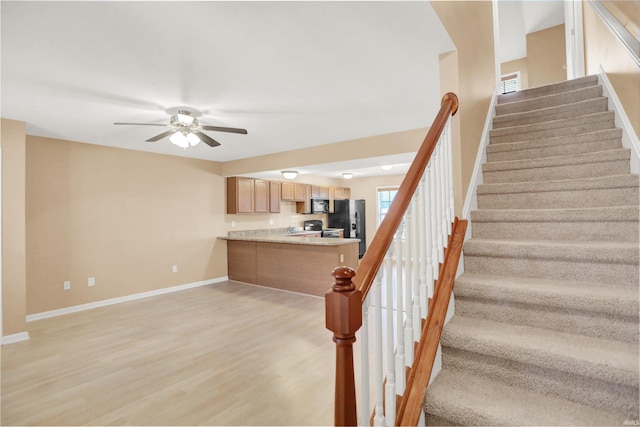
(389, 294)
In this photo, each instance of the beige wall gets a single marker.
(13, 228)
(627, 12)
(470, 26)
(367, 189)
(601, 48)
(374, 146)
(546, 56)
(449, 82)
(517, 65)
(124, 217)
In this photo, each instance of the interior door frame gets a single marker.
(574, 39)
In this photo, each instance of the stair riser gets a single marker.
(549, 101)
(572, 386)
(556, 150)
(517, 136)
(562, 112)
(623, 231)
(562, 87)
(561, 199)
(538, 268)
(599, 325)
(553, 173)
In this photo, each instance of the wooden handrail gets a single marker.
(412, 401)
(373, 257)
(344, 301)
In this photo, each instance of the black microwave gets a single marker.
(319, 206)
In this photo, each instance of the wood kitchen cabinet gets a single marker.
(319, 192)
(240, 195)
(341, 193)
(261, 196)
(287, 191)
(302, 192)
(304, 207)
(274, 196)
(249, 195)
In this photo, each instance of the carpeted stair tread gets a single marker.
(571, 295)
(596, 358)
(560, 145)
(608, 214)
(553, 128)
(612, 223)
(602, 163)
(595, 252)
(550, 100)
(608, 182)
(549, 89)
(565, 111)
(462, 398)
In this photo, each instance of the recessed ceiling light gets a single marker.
(386, 167)
(289, 174)
(347, 175)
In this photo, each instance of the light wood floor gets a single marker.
(224, 354)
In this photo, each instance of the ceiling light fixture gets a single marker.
(386, 167)
(347, 175)
(289, 174)
(184, 139)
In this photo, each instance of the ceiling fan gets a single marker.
(187, 131)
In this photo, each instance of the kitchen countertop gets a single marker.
(281, 236)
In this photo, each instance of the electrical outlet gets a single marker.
(175, 269)
(270, 222)
(233, 223)
(91, 281)
(67, 285)
(341, 257)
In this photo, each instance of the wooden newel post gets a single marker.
(343, 305)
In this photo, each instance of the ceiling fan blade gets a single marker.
(142, 124)
(224, 129)
(207, 139)
(162, 135)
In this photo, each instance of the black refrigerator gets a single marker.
(349, 215)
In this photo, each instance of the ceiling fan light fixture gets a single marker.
(193, 139)
(180, 139)
(386, 167)
(184, 118)
(289, 174)
(347, 175)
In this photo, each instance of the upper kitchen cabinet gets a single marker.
(319, 192)
(304, 207)
(274, 196)
(249, 195)
(293, 191)
(240, 195)
(341, 193)
(261, 202)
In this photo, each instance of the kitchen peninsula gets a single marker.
(288, 261)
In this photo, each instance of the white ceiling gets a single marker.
(294, 74)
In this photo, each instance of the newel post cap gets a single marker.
(343, 304)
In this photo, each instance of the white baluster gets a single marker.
(444, 197)
(447, 178)
(378, 419)
(390, 389)
(410, 285)
(452, 207)
(424, 255)
(400, 376)
(438, 173)
(433, 238)
(363, 403)
(415, 265)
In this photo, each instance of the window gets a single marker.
(510, 83)
(385, 197)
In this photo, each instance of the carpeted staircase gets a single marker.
(546, 324)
